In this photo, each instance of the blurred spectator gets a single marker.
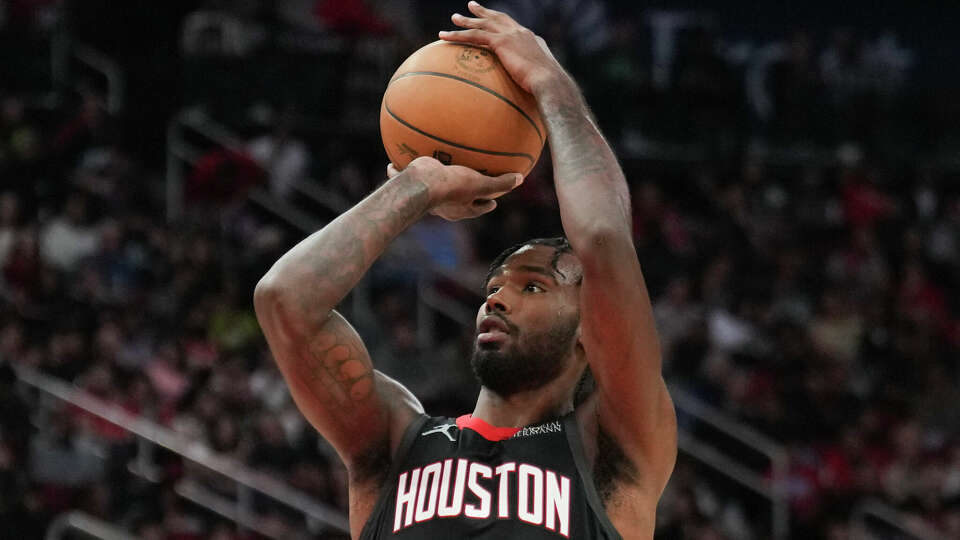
(88, 126)
(21, 147)
(23, 267)
(283, 156)
(676, 313)
(350, 17)
(447, 247)
(9, 223)
(222, 29)
(271, 451)
(837, 330)
(222, 178)
(864, 203)
(61, 465)
(70, 236)
(233, 326)
(921, 300)
(112, 268)
(107, 172)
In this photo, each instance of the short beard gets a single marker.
(521, 368)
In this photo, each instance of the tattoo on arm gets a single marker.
(333, 382)
(338, 371)
(330, 262)
(590, 184)
(576, 142)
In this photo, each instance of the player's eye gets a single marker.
(533, 287)
(492, 290)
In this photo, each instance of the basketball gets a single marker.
(456, 103)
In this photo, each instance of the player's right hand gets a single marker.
(458, 192)
(522, 53)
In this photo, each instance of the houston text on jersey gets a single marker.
(478, 491)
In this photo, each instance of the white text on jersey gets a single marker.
(520, 491)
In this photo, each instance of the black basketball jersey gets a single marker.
(462, 478)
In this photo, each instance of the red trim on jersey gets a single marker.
(488, 432)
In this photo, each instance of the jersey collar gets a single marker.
(488, 432)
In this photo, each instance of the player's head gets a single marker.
(528, 327)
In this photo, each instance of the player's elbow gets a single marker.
(279, 323)
(265, 294)
(600, 238)
(281, 310)
(270, 299)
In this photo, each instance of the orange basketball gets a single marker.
(456, 103)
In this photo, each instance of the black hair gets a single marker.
(558, 243)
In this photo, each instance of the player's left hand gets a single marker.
(457, 192)
(523, 54)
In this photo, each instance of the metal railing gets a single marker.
(891, 519)
(772, 488)
(150, 436)
(63, 51)
(85, 524)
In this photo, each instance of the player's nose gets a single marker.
(497, 302)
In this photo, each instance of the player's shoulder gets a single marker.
(396, 395)
(402, 407)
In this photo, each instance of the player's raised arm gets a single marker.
(617, 324)
(321, 357)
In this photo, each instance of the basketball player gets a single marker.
(526, 463)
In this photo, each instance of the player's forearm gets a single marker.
(316, 274)
(591, 189)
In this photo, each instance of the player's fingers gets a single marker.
(543, 45)
(473, 35)
(452, 215)
(486, 13)
(391, 170)
(483, 206)
(470, 22)
(498, 185)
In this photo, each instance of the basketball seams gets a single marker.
(476, 85)
(410, 126)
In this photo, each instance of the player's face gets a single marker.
(528, 325)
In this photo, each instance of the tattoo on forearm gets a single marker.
(338, 371)
(574, 138)
(580, 152)
(575, 142)
(343, 251)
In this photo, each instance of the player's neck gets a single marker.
(520, 410)
(530, 407)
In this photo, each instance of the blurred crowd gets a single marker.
(803, 259)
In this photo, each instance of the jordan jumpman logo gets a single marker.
(442, 428)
